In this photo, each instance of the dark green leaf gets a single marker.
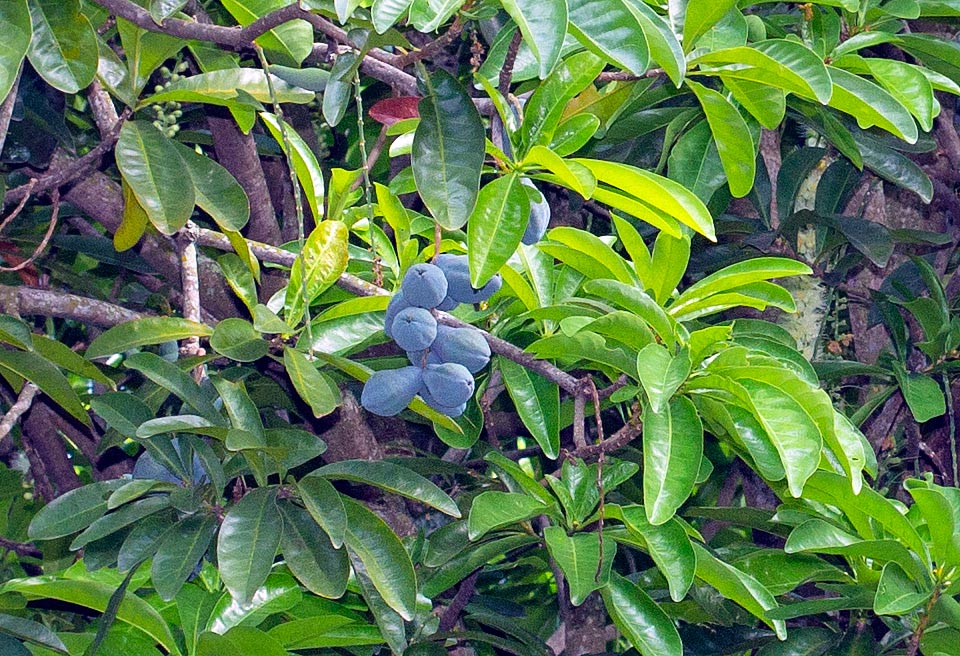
(393, 478)
(493, 509)
(640, 619)
(64, 46)
(611, 30)
(15, 18)
(537, 401)
(248, 542)
(238, 340)
(178, 554)
(313, 387)
(45, 376)
(310, 555)
(578, 556)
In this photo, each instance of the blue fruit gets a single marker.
(539, 216)
(448, 304)
(424, 285)
(396, 304)
(414, 329)
(423, 358)
(457, 270)
(464, 346)
(388, 392)
(449, 383)
(454, 411)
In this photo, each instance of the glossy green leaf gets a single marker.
(448, 151)
(393, 478)
(737, 275)
(241, 280)
(289, 44)
(665, 48)
(339, 91)
(29, 631)
(94, 595)
(494, 509)
(325, 505)
(570, 175)
(313, 387)
(119, 519)
(460, 566)
(639, 302)
(649, 630)
(385, 13)
(661, 373)
(739, 587)
(496, 226)
(662, 194)
(326, 631)
(695, 163)
(765, 103)
(310, 555)
(237, 339)
(537, 401)
(51, 381)
(699, 17)
(870, 105)
(909, 86)
(672, 441)
(18, 31)
(63, 49)
(936, 52)
(578, 556)
(601, 255)
(317, 268)
(179, 552)
(248, 542)
(543, 24)
(73, 511)
(611, 30)
(544, 109)
(62, 356)
(381, 552)
(732, 136)
(222, 88)
(303, 160)
(123, 411)
(923, 395)
(171, 377)
(669, 547)
(279, 593)
(150, 164)
(897, 594)
(144, 52)
(216, 191)
(941, 518)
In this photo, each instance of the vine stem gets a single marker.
(295, 184)
(951, 414)
(365, 167)
(913, 646)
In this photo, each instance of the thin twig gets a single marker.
(432, 48)
(627, 433)
(506, 72)
(622, 76)
(19, 548)
(451, 614)
(55, 200)
(6, 109)
(16, 411)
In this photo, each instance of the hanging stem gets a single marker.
(297, 200)
(367, 187)
(954, 465)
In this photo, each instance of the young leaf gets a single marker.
(303, 160)
(319, 266)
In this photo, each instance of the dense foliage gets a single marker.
(680, 381)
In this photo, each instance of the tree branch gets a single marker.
(17, 409)
(19, 548)
(18, 301)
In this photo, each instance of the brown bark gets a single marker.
(51, 468)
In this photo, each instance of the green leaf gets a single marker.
(123, 411)
(248, 542)
(668, 545)
(279, 593)
(118, 519)
(543, 24)
(289, 44)
(237, 339)
(216, 191)
(908, 85)
(325, 505)
(30, 631)
(72, 512)
(51, 381)
(17, 32)
(871, 105)
(63, 49)
(660, 194)
(62, 356)
(448, 151)
(700, 16)
(90, 594)
(241, 281)
(665, 49)
(171, 377)
(598, 252)
(385, 13)
(392, 478)
(611, 30)
(310, 555)
(160, 10)
(672, 442)
(178, 554)
(640, 619)
(144, 51)
(695, 163)
(765, 103)
(313, 387)
(326, 631)
(544, 109)
(737, 586)
(460, 566)
(381, 552)
(730, 132)
(317, 268)
(537, 401)
(639, 302)
(223, 87)
(661, 374)
(937, 53)
(151, 165)
(578, 556)
(494, 509)
(941, 518)
(496, 226)
(339, 91)
(897, 594)
(303, 160)
(923, 395)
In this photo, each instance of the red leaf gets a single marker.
(392, 110)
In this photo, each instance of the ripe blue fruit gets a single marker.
(454, 411)
(397, 303)
(424, 285)
(449, 383)
(447, 304)
(414, 329)
(388, 392)
(424, 357)
(539, 216)
(457, 270)
(461, 345)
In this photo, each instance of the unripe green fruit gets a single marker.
(424, 285)
(387, 393)
(461, 345)
(397, 303)
(539, 219)
(414, 329)
(454, 411)
(756, 30)
(457, 270)
(450, 383)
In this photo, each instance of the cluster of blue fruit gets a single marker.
(443, 358)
